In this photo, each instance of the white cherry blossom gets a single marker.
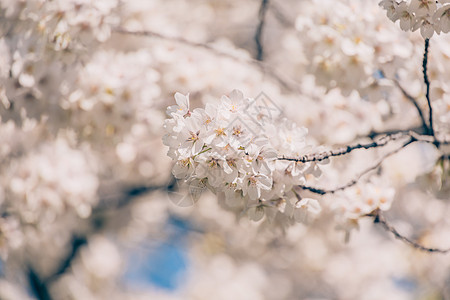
(235, 155)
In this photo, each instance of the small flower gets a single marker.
(422, 8)
(182, 107)
(426, 28)
(235, 102)
(405, 16)
(442, 18)
(306, 209)
(391, 8)
(183, 168)
(254, 183)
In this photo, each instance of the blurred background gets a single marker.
(89, 208)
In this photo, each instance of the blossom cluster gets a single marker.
(429, 15)
(40, 42)
(346, 51)
(50, 181)
(110, 98)
(45, 192)
(63, 25)
(232, 147)
(84, 87)
(361, 200)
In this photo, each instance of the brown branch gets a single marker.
(379, 218)
(427, 83)
(314, 157)
(288, 83)
(322, 191)
(260, 28)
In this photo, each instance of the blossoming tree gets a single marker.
(188, 149)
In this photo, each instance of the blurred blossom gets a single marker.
(145, 166)
(101, 258)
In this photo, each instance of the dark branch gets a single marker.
(373, 134)
(38, 286)
(379, 218)
(427, 83)
(259, 30)
(322, 191)
(110, 202)
(77, 243)
(314, 157)
(415, 103)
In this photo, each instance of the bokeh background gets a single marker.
(89, 208)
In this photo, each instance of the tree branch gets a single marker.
(379, 218)
(411, 99)
(76, 244)
(109, 202)
(38, 286)
(373, 134)
(259, 30)
(427, 83)
(322, 191)
(415, 103)
(314, 157)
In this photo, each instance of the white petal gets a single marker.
(265, 182)
(253, 192)
(182, 100)
(426, 30)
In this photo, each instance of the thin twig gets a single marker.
(314, 157)
(379, 218)
(373, 134)
(415, 103)
(322, 191)
(259, 30)
(427, 83)
(411, 99)
(287, 83)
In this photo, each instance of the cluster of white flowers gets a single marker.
(361, 200)
(62, 24)
(110, 98)
(429, 15)
(346, 50)
(82, 159)
(232, 148)
(47, 183)
(40, 42)
(44, 192)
